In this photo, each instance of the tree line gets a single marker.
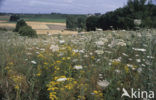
(76, 23)
(121, 18)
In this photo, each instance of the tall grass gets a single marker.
(91, 66)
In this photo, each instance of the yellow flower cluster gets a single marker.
(81, 97)
(39, 71)
(41, 56)
(17, 79)
(71, 83)
(60, 84)
(115, 63)
(126, 69)
(52, 87)
(57, 66)
(98, 93)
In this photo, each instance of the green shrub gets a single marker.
(27, 31)
(20, 24)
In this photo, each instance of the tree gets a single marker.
(76, 22)
(20, 24)
(71, 23)
(14, 18)
(27, 31)
(92, 23)
(81, 23)
(123, 18)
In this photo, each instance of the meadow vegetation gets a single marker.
(91, 66)
(96, 65)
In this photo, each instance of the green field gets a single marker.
(7, 19)
(56, 18)
(45, 20)
(39, 18)
(91, 66)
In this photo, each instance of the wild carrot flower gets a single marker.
(103, 83)
(78, 67)
(33, 62)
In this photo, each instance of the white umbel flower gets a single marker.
(62, 41)
(103, 83)
(78, 67)
(99, 43)
(54, 48)
(139, 49)
(138, 60)
(61, 79)
(33, 62)
(100, 52)
(121, 44)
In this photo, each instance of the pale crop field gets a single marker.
(5, 25)
(42, 27)
(51, 32)
(90, 66)
(45, 23)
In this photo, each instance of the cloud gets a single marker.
(62, 6)
(69, 1)
(1, 2)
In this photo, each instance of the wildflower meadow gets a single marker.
(91, 66)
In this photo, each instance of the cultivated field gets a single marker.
(4, 17)
(38, 18)
(91, 66)
(41, 27)
(43, 24)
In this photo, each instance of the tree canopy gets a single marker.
(123, 18)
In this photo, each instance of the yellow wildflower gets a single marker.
(95, 92)
(17, 87)
(45, 63)
(93, 57)
(98, 93)
(40, 56)
(115, 63)
(58, 61)
(126, 69)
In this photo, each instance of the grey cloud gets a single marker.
(62, 6)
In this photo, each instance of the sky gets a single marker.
(60, 6)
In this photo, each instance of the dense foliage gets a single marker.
(20, 24)
(27, 31)
(14, 18)
(92, 23)
(123, 18)
(71, 22)
(76, 22)
(24, 30)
